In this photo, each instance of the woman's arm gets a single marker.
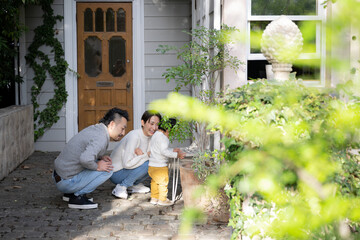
(124, 156)
(132, 157)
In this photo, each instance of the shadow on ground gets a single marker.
(32, 208)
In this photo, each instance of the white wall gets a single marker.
(235, 15)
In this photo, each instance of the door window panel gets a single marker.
(110, 20)
(88, 20)
(121, 20)
(117, 56)
(99, 20)
(93, 61)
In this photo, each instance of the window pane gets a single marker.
(256, 30)
(283, 7)
(99, 20)
(93, 61)
(306, 69)
(256, 69)
(308, 31)
(117, 56)
(110, 20)
(88, 20)
(121, 20)
(307, 28)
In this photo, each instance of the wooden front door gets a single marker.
(104, 45)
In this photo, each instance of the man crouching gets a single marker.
(82, 165)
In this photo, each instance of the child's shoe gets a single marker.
(167, 202)
(154, 201)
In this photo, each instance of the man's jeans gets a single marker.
(84, 182)
(130, 177)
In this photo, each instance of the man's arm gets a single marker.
(104, 165)
(89, 156)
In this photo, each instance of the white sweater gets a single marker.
(160, 151)
(123, 156)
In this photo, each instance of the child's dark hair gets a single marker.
(168, 125)
(112, 114)
(148, 114)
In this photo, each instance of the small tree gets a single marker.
(204, 57)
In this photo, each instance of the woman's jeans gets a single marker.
(130, 177)
(84, 182)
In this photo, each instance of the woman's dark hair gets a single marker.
(168, 125)
(112, 114)
(148, 114)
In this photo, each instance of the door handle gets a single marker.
(128, 85)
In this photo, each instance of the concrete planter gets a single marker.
(16, 137)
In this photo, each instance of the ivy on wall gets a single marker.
(42, 65)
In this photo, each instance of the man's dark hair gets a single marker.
(148, 114)
(112, 114)
(168, 125)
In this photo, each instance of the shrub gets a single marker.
(289, 149)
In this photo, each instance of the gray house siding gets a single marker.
(54, 138)
(164, 24)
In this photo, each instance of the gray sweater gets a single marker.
(82, 151)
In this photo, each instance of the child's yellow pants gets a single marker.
(159, 182)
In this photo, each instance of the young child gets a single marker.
(158, 169)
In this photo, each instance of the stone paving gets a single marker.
(32, 208)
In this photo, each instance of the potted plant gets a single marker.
(194, 173)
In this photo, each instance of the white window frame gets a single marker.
(320, 39)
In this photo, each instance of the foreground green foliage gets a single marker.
(289, 152)
(180, 132)
(309, 171)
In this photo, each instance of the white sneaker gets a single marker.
(139, 188)
(167, 202)
(120, 192)
(154, 201)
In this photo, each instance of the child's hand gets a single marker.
(176, 150)
(181, 154)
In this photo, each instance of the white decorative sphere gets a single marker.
(281, 41)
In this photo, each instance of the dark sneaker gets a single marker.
(81, 202)
(67, 196)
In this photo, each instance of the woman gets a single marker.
(130, 158)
